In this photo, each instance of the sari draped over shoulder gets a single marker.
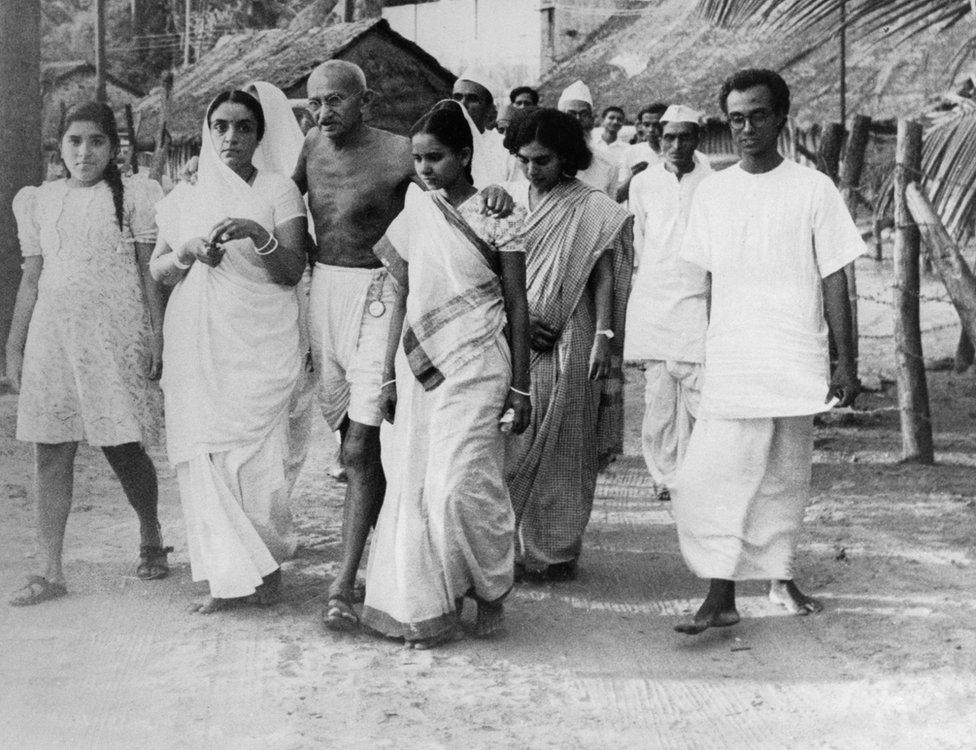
(577, 424)
(230, 362)
(461, 311)
(446, 527)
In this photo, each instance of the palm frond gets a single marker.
(949, 169)
(900, 19)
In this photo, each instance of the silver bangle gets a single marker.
(521, 393)
(180, 264)
(272, 240)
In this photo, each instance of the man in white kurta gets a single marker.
(667, 311)
(491, 163)
(775, 237)
(603, 172)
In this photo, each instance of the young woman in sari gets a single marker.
(85, 339)
(579, 260)
(233, 245)
(446, 526)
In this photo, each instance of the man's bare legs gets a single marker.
(788, 595)
(365, 487)
(717, 611)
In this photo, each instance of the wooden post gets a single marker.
(850, 179)
(913, 397)
(20, 122)
(828, 153)
(946, 259)
(100, 50)
(133, 146)
(162, 135)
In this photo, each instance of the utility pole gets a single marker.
(843, 63)
(100, 50)
(187, 12)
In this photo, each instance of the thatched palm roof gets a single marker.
(669, 53)
(52, 73)
(284, 57)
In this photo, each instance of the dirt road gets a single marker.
(891, 663)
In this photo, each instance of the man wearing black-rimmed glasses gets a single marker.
(775, 237)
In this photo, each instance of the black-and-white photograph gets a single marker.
(478, 374)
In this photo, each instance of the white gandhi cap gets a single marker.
(681, 113)
(575, 92)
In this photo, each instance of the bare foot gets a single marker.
(425, 644)
(717, 611)
(786, 594)
(490, 620)
(212, 604)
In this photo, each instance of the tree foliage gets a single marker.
(949, 151)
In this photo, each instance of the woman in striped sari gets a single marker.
(579, 260)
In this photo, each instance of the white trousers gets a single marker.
(672, 393)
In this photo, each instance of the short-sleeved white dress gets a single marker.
(87, 357)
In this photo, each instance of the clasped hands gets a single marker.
(210, 249)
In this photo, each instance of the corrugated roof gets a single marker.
(669, 53)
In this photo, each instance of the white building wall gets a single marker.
(504, 37)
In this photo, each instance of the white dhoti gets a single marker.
(672, 393)
(349, 322)
(740, 496)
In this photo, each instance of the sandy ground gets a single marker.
(589, 664)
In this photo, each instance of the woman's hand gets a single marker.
(600, 358)
(239, 229)
(388, 400)
(521, 406)
(199, 249)
(15, 365)
(542, 336)
(155, 355)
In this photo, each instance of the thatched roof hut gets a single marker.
(668, 53)
(66, 83)
(408, 80)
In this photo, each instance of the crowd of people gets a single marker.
(476, 285)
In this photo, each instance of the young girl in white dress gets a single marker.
(85, 342)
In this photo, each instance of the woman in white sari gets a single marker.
(446, 527)
(233, 245)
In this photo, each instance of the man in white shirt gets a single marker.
(667, 313)
(606, 140)
(645, 152)
(775, 237)
(602, 172)
(489, 165)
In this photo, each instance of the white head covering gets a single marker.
(283, 139)
(681, 113)
(575, 92)
(192, 210)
